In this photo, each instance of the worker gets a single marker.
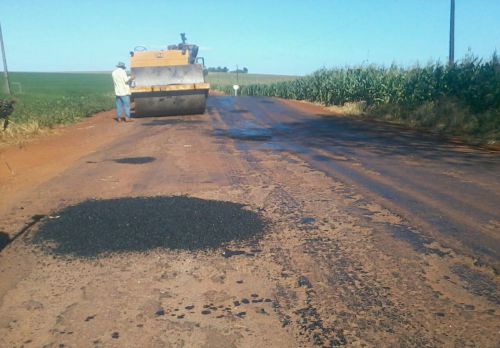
(122, 92)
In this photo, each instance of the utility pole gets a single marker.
(452, 33)
(5, 70)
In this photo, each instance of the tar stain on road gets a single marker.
(4, 240)
(256, 134)
(251, 133)
(101, 227)
(135, 160)
(478, 283)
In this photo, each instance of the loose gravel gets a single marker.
(102, 227)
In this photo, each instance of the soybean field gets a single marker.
(48, 99)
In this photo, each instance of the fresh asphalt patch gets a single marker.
(103, 227)
(135, 160)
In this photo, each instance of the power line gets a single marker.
(452, 33)
(5, 70)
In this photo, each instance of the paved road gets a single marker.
(374, 235)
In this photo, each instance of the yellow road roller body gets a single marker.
(168, 82)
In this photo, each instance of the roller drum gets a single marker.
(170, 103)
(165, 103)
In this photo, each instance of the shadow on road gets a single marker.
(100, 227)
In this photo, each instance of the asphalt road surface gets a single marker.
(260, 223)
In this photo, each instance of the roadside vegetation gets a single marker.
(462, 99)
(45, 100)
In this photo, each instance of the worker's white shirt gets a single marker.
(120, 79)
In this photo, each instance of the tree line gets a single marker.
(226, 70)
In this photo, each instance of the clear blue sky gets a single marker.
(280, 37)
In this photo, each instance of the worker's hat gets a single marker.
(120, 65)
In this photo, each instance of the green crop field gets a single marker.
(245, 79)
(44, 100)
(34, 83)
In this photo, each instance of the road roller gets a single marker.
(168, 82)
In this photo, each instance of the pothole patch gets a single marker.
(103, 227)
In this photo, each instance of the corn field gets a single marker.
(461, 99)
